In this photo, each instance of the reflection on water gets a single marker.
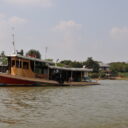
(99, 106)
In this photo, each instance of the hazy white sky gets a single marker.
(71, 29)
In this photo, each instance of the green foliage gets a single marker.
(3, 58)
(51, 60)
(70, 63)
(93, 75)
(66, 62)
(97, 74)
(2, 53)
(77, 64)
(34, 53)
(123, 74)
(60, 65)
(21, 52)
(119, 67)
(90, 63)
(102, 74)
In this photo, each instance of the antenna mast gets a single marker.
(13, 41)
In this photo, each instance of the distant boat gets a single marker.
(22, 70)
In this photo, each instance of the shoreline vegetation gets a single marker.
(112, 78)
(119, 76)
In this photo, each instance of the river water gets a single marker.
(98, 106)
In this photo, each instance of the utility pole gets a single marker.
(46, 49)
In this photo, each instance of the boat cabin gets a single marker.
(28, 67)
(68, 74)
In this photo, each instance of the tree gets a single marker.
(3, 58)
(34, 53)
(76, 64)
(21, 52)
(90, 63)
(2, 53)
(69, 63)
(66, 62)
(51, 60)
(119, 67)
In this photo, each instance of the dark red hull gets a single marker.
(14, 81)
(19, 81)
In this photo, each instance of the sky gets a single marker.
(70, 29)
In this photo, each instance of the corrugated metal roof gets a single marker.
(30, 58)
(49, 62)
(104, 65)
(70, 69)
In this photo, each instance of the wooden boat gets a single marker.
(22, 70)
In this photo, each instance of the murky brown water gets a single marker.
(99, 106)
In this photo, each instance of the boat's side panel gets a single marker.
(11, 80)
(8, 81)
(22, 71)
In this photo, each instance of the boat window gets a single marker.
(45, 71)
(37, 67)
(32, 65)
(18, 64)
(25, 65)
(13, 63)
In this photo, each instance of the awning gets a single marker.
(71, 69)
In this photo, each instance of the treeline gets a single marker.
(115, 69)
(119, 69)
(89, 63)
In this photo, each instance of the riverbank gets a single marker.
(112, 78)
(121, 78)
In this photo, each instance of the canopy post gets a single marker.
(48, 73)
(71, 76)
(81, 75)
(34, 66)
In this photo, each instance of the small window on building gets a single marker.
(13, 63)
(25, 65)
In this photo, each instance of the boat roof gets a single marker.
(70, 69)
(49, 62)
(104, 65)
(30, 58)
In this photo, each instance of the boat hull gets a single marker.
(8, 80)
(14, 81)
